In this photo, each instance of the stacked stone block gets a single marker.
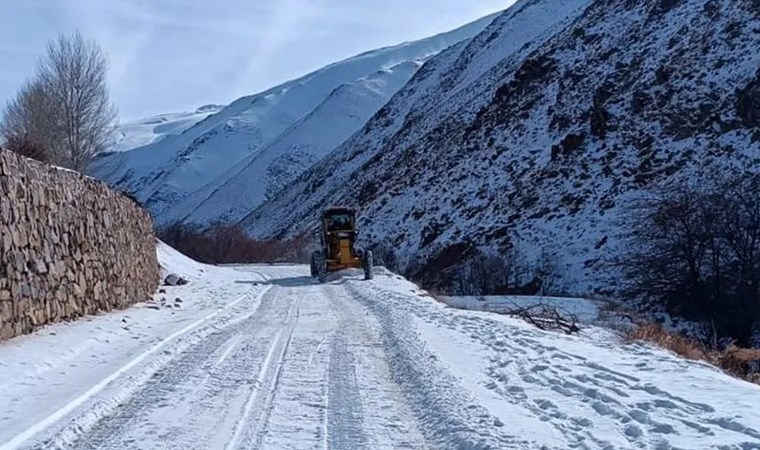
(69, 247)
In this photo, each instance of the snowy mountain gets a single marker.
(265, 172)
(262, 141)
(536, 133)
(140, 133)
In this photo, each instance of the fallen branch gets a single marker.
(546, 317)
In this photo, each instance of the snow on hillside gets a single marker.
(267, 171)
(164, 173)
(542, 140)
(140, 133)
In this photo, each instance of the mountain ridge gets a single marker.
(166, 172)
(544, 149)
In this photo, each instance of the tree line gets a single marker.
(223, 243)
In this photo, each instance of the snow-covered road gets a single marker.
(287, 376)
(264, 357)
(289, 364)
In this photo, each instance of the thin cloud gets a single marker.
(174, 55)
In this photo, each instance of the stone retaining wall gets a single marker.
(69, 246)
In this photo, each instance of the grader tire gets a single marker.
(313, 265)
(320, 264)
(368, 263)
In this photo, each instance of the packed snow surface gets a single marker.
(265, 357)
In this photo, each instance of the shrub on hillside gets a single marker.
(464, 269)
(27, 148)
(695, 250)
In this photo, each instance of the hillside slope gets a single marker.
(163, 173)
(543, 150)
(265, 172)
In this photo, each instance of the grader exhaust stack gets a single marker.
(337, 250)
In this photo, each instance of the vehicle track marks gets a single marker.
(101, 400)
(251, 426)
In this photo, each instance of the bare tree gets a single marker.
(696, 251)
(509, 273)
(65, 108)
(26, 123)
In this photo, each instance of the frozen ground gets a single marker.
(264, 357)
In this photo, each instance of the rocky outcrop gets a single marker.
(69, 246)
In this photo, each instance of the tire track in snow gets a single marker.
(98, 402)
(157, 393)
(202, 399)
(210, 367)
(368, 408)
(344, 414)
(298, 417)
(449, 415)
(336, 389)
(269, 376)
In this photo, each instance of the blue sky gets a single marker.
(176, 55)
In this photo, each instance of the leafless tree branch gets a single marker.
(65, 107)
(546, 317)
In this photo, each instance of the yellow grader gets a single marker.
(337, 251)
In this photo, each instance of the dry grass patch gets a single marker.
(681, 345)
(742, 363)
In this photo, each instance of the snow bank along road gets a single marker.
(264, 357)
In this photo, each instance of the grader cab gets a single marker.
(337, 245)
